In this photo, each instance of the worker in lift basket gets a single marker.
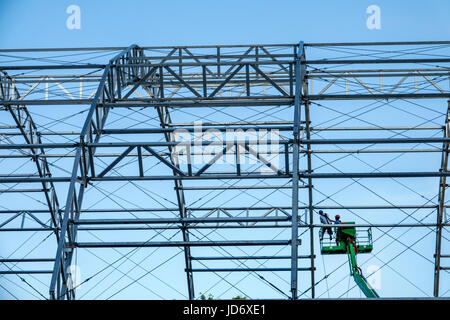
(337, 221)
(325, 219)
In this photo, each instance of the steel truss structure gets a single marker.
(142, 152)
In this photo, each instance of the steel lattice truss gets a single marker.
(132, 171)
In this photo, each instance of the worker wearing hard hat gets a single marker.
(325, 219)
(338, 230)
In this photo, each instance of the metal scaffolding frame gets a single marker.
(253, 77)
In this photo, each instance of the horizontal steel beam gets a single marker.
(289, 45)
(191, 128)
(26, 272)
(141, 144)
(26, 260)
(223, 143)
(27, 229)
(222, 226)
(394, 96)
(173, 103)
(345, 175)
(361, 225)
(378, 128)
(385, 73)
(379, 43)
(145, 154)
(239, 187)
(54, 67)
(250, 257)
(378, 207)
(232, 102)
(382, 225)
(247, 269)
(377, 151)
(136, 178)
(189, 62)
(193, 227)
(33, 180)
(180, 244)
(376, 175)
(21, 190)
(261, 208)
(375, 140)
(269, 45)
(375, 61)
(180, 220)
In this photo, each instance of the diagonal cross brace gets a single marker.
(116, 161)
(265, 76)
(167, 163)
(213, 160)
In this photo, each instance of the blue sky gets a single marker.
(42, 24)
(111, 23)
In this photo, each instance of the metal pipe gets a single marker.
(26, 272)
(26, 260)
(372, 61)
(249, 257)
(247, 269)
(323, 207)
(224, 143)
(346, 175)
(180, 244)
(394, 96)
(380, 43)
(180, 220)
(222, 226)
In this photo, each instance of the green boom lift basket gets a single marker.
(362, 236)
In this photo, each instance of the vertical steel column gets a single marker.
(182, 210)
(75, 215)
(186, 238)
(165, 121)
(58, 268)
(299, 77)
(441, 208)
(310, 195)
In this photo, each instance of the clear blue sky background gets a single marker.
(40, 24)
(25, 24)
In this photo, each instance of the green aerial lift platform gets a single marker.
(349, 241)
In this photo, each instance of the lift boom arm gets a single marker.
(356, 273)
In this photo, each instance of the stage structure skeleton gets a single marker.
(188, 146)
